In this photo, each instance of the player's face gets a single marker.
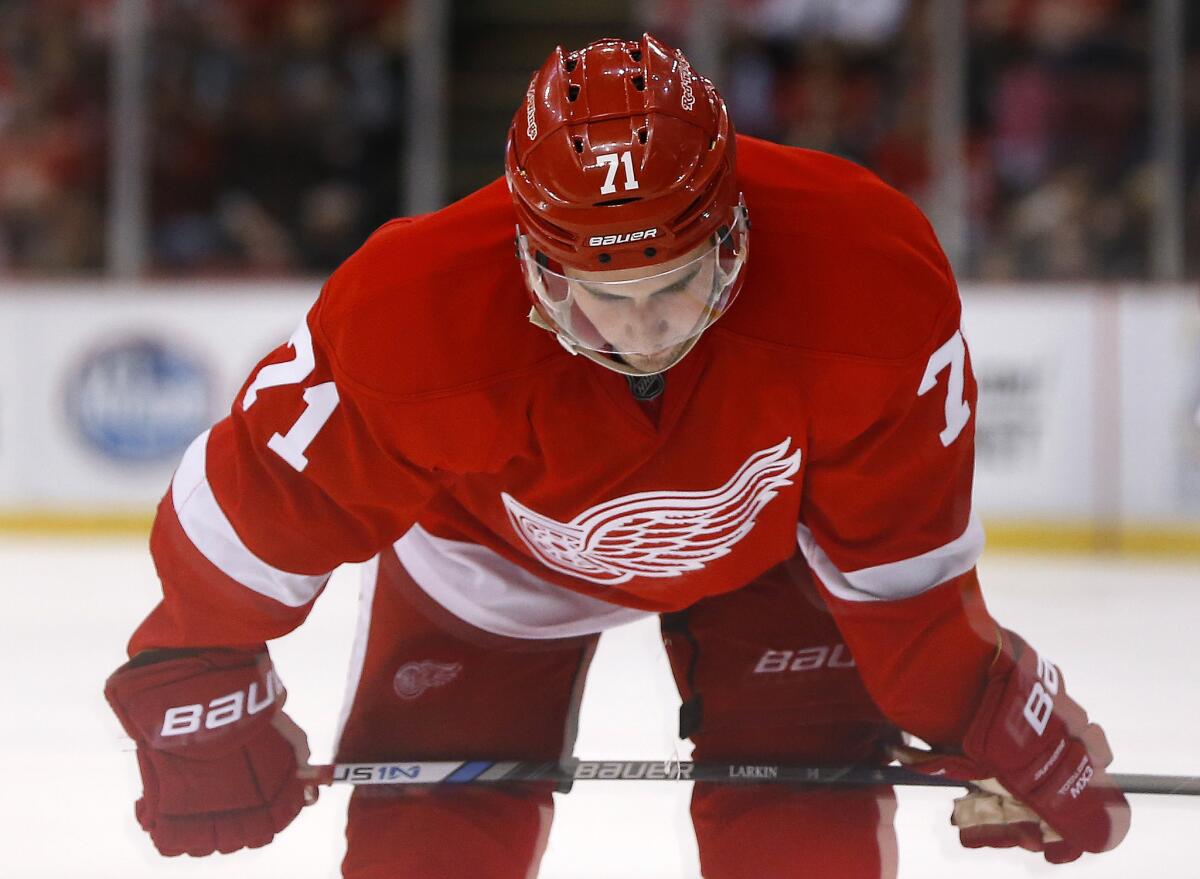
(648, 317)
(651, 310)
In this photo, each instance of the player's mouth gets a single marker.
(656, 361)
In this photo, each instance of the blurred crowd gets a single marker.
(53, 128)
(276, 143)
(1060, 180)
(276, 131)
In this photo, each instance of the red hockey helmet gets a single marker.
(620, 161)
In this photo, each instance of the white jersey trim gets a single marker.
(358, 649)
(896, 580)
(488, 591)
(207, 527)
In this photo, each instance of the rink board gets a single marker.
(1087, 426)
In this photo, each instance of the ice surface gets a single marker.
(1124, 632)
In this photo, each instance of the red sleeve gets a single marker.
(887, 527)
(923, 659)
(266, 504)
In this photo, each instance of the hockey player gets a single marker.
(770, 450)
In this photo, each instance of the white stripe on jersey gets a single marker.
(896, 580)
(358, 650)
(481, 587)
(207, 527)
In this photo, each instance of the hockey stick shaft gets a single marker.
(489, 771)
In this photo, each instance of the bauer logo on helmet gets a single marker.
(623, 238)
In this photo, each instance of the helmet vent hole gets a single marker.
(635, 55)
(572, 93)
(570, 63)
(614, 202)
(578, 141)
(639, 83)
(641, 133)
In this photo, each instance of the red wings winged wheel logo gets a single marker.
(656, 533)
(413, 678)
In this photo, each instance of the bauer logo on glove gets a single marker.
(222, 711)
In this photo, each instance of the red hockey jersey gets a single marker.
(525, 488)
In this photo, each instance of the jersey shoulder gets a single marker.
(840, 262)
(432, 305)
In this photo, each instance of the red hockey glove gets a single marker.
(218, 756)
(1038, 766)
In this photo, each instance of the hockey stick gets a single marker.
(489, 771)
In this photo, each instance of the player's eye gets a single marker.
(607, 297)
(677, 287)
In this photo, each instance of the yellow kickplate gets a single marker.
(43, 523)
(1061, 537)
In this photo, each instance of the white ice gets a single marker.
(1124, 632)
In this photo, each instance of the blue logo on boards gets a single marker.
(140, 400)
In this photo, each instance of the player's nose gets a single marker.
(649, 330)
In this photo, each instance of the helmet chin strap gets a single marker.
(606, 360)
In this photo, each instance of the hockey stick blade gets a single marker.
(489, 772)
